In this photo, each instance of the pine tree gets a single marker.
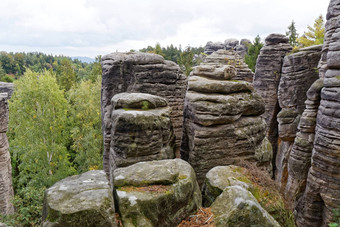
(292, 34)
(253, 53)
(314, 35)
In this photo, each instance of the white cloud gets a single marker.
(92, 27)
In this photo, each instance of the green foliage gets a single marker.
(292, 34)
(38, 131)
(86, 134)
(28, 202)
(336, 218)
(186, 60)
(253, 52)
(66, 77)
(314, 35)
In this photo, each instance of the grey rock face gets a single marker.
(156, 193)
(241, 47)
(81, 200)
(7, 88)
(299, 71)
(238, 207)
(266, 80)
(230, 57)
(323, 181)
(299, 160)
(6, 188)
(222, 123)
(141, 130)
(144, 73)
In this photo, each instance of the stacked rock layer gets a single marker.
(266, 80)
(298, 74)
(141, 130)
(6, 188)
(222, 123)
(145, 73)
(322, 196)
(230, 57)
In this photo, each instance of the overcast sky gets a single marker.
(98, 27)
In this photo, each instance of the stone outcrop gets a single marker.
(144, 73)
(80, 200)
(7, 88)
(299, 71)
(6, 188)
(222, 123)
(238, 207)
(299, 159)
(266, 80)
(230, 57)
(241, 47)
(141, 130)
(323, 182)
(156, 193)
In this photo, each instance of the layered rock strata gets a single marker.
(145, 73)
(266, 80)
(299, 71)
(141, 130)
(222, 123)
(321, 197)
(80, 200)
(299, 159)
(241, 47)
(7, 88)
(6, 188)
(156, 193)
(230, 57)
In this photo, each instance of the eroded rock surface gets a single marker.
(156, 193)
(7, 88)
(323, 182)
(266, 80)
(230, 57)
(144, 73)
(241, 47)
(236, 206)
(6, 187)
(141, 130)
(81, 200)
(222, 123)
(299, 71)
(299, 160)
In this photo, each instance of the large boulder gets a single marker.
(236, 206)
(141, 130)
(6, 187)
(81, 200)
(7, 88)
(321, 197)
(144, 73)
(156, 193)
(298, 74)
(266, 80)
(222, 123)
(241, 47)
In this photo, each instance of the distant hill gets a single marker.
(84, 59)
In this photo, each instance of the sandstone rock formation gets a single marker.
(241, 47)
(266, 80)
(6, 188)
(323, 182)
(81, 200)
(222, 123)
(299, 159)
(156, 193)
(230, 57)
(298, 74)
(145, 73)
(141, 129)
(238, 207)
(7, 88)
